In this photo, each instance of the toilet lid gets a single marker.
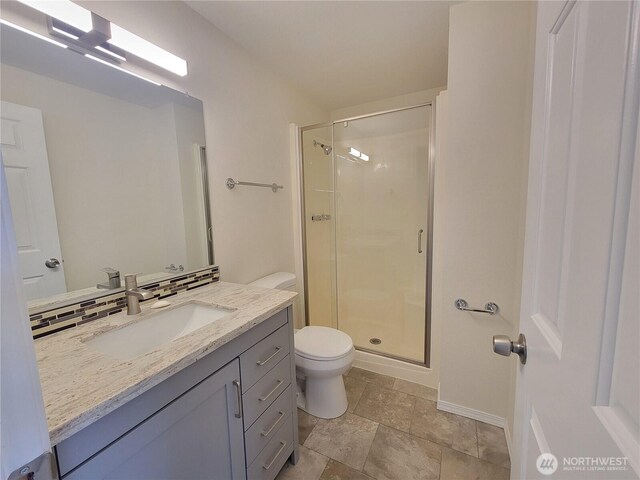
(322, 343)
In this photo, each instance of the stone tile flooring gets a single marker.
(392, 430)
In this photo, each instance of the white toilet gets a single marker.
(322, 355)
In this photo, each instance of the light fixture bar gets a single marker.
(146, 50)
(104, 62)
(33, 34)
(111, 54)
(354, 152)
(62, 32)
(65, 11)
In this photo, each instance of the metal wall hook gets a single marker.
(490, 308)
(231, 183)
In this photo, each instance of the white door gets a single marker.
(578, 396)
(27, 170)
(24, 436)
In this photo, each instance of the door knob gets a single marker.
(52, 263)
(502, 345)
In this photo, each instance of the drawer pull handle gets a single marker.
(282, 447)
(266, 397)
(265, 433)
(236, 383)
(269, 358)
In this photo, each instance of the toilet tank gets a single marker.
(278, 280)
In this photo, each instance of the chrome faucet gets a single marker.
(114, 279)
(134, 294)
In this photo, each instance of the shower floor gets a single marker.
(396, 318)
(403, 340)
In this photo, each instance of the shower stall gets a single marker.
(367, 226)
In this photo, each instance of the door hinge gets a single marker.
(41, 468)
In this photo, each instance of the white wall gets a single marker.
(480, 202)
(438, 267)
(247, 113)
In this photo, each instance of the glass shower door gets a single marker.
(382, 198)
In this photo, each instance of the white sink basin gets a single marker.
(156, 330)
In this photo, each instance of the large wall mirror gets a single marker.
(105, 170)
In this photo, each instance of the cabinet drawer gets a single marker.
(258, 398)
(272, 457)
(263, 430)
(263, 356)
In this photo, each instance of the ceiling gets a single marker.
(342, 53)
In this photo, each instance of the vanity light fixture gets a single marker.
(104, 62)
(89, 32)
(64, 10)
(111, 54)
(142, 48)
(364, 157)
(34, 34)
(62, 32)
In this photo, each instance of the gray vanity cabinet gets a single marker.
(197, 434)
(230, 415)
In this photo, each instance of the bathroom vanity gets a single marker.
(217, 403)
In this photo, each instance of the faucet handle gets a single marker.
(114, 279)
(111, 272)
(131, 280)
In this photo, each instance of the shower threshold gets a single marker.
(391, 356)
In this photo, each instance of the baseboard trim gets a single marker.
(472, 413)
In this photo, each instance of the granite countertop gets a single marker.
(81, 385)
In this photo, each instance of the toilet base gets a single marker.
(301, 401)
(324, 397)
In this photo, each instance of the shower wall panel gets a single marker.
(319, 227)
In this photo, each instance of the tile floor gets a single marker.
(392, 430)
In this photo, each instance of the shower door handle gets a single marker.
(420, 232)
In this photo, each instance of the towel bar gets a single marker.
(231, 183)
(490, 308)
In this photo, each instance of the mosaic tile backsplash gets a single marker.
(69, 316)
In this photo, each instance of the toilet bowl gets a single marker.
(322, 356)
